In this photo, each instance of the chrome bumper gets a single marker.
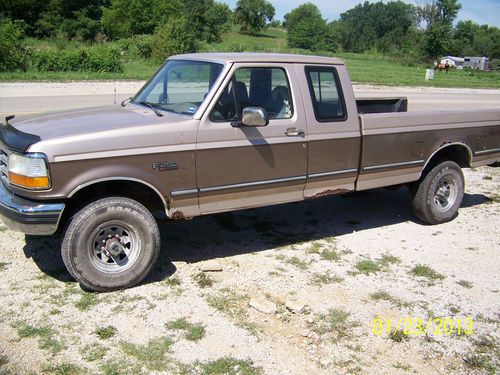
(27, 216)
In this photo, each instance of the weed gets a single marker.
(119, 367)
(105, 333)
(45, 336)
(367, 266)
(400, 366)
(325, 278)
(465, 284)
(399, 336)
(87, 301)
(203, 280)
(330, 255)
(194, 332)
(297, 262)
(487, 178)
(54, 312)
(93, 352)
(64, 368)
(231, 304)
(229, 366)
(151, 355)
(421, 270)
(3, 265)
(454, 309)
(3, 360)
(384, 296)
(336, 323)
(315, 248)
(173, 281)
(388, 259)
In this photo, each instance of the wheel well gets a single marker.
(457, 153)
(137, 191)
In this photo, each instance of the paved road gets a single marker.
(25, 98)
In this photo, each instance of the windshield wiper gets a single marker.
(152, 106)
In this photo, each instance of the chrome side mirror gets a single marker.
(254, 116)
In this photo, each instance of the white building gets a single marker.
(452, 61)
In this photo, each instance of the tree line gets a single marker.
(159, 28)
(396, 27)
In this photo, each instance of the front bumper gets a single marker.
(27, 216)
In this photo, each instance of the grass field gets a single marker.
(377, 69)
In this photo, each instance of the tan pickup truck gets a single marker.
(218, 132)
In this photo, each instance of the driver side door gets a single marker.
(242, 167)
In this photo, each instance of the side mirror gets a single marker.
(254, 116)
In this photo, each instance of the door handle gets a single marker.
(294, 132)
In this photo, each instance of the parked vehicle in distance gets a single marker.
(211, 133)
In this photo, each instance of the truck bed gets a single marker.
(382, 105)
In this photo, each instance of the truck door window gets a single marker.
(267, 88)
(326, 94)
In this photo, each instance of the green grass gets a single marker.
(94, 352)
(87, 301)
(399, 336)
(64, 368)
(193, 332)
(173, 281)
(367, 266)
(3, 360)
(421, 270)
(203, 280)
(233, 306)
(364, 68)
(336, 323)
(325, 278)
(384, 296)
(105, 333)
(152, 355)
(3, 265)
(44, 334)
(228, 366)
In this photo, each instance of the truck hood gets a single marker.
(89, 120)
(88, 133)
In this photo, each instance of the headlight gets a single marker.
(28, 171)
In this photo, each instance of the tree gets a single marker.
(306, 28)
(382, 26)
(253, 15)
(174, 37)
(208, 18)
(439, 16)
(126, 18)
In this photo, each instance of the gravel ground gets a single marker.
(318, 272)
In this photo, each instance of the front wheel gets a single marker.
(112, 243)
(437, 197)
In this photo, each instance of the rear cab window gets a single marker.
(265, 87)
(326, 94)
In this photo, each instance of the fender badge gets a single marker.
(166, 165)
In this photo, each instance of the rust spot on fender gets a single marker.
(329, 192)
(177, 215)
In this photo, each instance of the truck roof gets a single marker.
(259, 57)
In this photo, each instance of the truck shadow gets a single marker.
(255, 230)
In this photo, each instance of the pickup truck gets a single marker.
(217, 132)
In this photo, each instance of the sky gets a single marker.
(479, 11)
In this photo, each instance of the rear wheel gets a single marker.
(110, 244)
(437, 197)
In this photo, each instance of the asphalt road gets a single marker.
(28, 98)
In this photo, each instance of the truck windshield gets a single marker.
(180, 86)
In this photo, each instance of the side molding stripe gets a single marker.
(393, 165)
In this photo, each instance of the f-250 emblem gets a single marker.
(166, 165)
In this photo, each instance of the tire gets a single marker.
(111, 244)
(439, 194)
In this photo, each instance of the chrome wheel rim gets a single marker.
(445, 194)
(114, 247)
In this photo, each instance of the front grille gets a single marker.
(4, 161)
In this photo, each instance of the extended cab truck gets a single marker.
(219, 132)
